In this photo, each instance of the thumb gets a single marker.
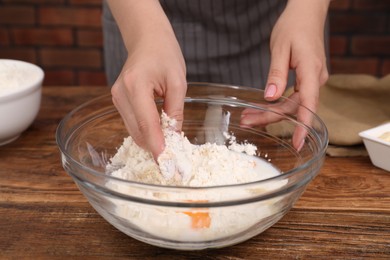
(277, 75)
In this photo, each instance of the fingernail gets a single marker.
(301, 145)
(156, 155)
(244, 120)
(270, 91)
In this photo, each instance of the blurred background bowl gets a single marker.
(161, 215)
(377, 143)
(20, 97)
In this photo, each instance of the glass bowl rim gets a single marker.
(287, 174)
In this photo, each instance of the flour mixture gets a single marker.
(185, 164)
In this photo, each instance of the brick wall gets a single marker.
(64, 37)
(360, 36)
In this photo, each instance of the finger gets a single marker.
(273, 113)
(137, 107)
(278, 73)
(124, 108)
(122, 105)
(308, 93)
(174, 100)
(147, 117)
(324, 74)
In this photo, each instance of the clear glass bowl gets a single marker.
(166, 216)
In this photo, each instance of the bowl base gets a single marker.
(8, 140)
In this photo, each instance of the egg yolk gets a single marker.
(199, 219)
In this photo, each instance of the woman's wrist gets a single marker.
(318, 8)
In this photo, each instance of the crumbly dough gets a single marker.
(185, 164)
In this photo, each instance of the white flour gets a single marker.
(15, 76)
(185, 164)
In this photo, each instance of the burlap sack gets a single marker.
(349, 104)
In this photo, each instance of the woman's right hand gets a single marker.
(155, 66)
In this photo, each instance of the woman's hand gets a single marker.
(155, 66)
(297, 42)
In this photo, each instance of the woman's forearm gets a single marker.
(139, 20)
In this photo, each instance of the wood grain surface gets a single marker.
(343, 214)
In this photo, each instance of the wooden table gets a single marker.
(344, 213)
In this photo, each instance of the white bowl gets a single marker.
(377, 147)
(20, 97)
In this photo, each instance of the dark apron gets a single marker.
(223, 41)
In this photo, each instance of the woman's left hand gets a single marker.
(297, 42)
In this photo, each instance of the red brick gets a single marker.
(340, 5)
(17, 15)
(90, 38)
(338, 45)
(86, 2)
(380, 5)
(39, 36)
(71, 58)
(385, 68)
(82, 17)
(92, 78)
(59, 78)
(361, 23)
(371, 45)
(25, 54)
(34, 1)
(354, 65)
(4, 37)
(388, 26)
